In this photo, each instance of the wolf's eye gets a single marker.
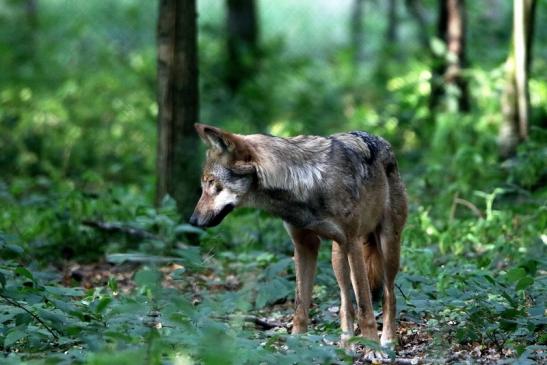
(218, 188)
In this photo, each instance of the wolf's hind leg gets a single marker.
(391, 247)
(306, 247)
(341, 270)
(361, 288)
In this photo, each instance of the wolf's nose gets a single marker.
(193, 220)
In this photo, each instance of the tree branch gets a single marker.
(264, 325)
(19, 305)
(469, 205)
(397, 360)
(119, 228)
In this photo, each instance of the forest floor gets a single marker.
(416, 342)
(98, 280)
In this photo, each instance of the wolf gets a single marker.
(345, 187)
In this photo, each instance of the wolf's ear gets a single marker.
(214, 137)
(238, 152)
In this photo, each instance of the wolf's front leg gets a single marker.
(306, 247)
(340, 267)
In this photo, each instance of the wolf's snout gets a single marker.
(194, 220)
(210, 219)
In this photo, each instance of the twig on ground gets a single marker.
(453, 207)
(120, 228)
(466, 203)
(19, 305)
(402, 293)
(397, 361)
(471, 206)
(265, 325)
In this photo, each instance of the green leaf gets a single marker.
(15, 248)
(537, 310)
(515, 274)
(524, 283)
(67, 292)
(272, 291)
(509, 313)
(438, 46)
(168, 203)
(178, 274)
(24, 272)
(6, 315)
(508, 325)
(509, 299)
(490, 279)
(130, 356)
(366, 342)
(2, 280)
(190, 256)
(530, 266)
(278, 267)
(148, 278)
(67, 306)
(186, 228)
(103, 303)
(14, 336)
(113, 284)
(57, 319)
(118, 258)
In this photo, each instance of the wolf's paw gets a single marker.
(375, 356)
(346, 344)
(388, 342)
(345, 340)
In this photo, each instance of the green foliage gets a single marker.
(77, 142)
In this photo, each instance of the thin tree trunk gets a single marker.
(357, 31)
(416, 10)
(456, 45)
(392, 19)
(31, 9)
(242, 42)
(389, 52)
(30, 30)
(447, 80)
(177, 159)
(516, 99)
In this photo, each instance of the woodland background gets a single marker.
(99, 169)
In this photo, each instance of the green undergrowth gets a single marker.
(77, 154)
(472, 273)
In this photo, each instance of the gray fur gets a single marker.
(318, 177)
(345, 187)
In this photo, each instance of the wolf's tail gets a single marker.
(375, 266)
(396, 212)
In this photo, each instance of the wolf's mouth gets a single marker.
(220, 216)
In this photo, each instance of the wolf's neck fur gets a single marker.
(296, 165)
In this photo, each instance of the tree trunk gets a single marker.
(242, 27)
(31, 10)
(357, 31)
(516, 99)
(416, 10)
(178, 166)
(392, 19)
(390, 52)
(447, 80)
(29, 30)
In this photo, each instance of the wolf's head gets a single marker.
(227, 176)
